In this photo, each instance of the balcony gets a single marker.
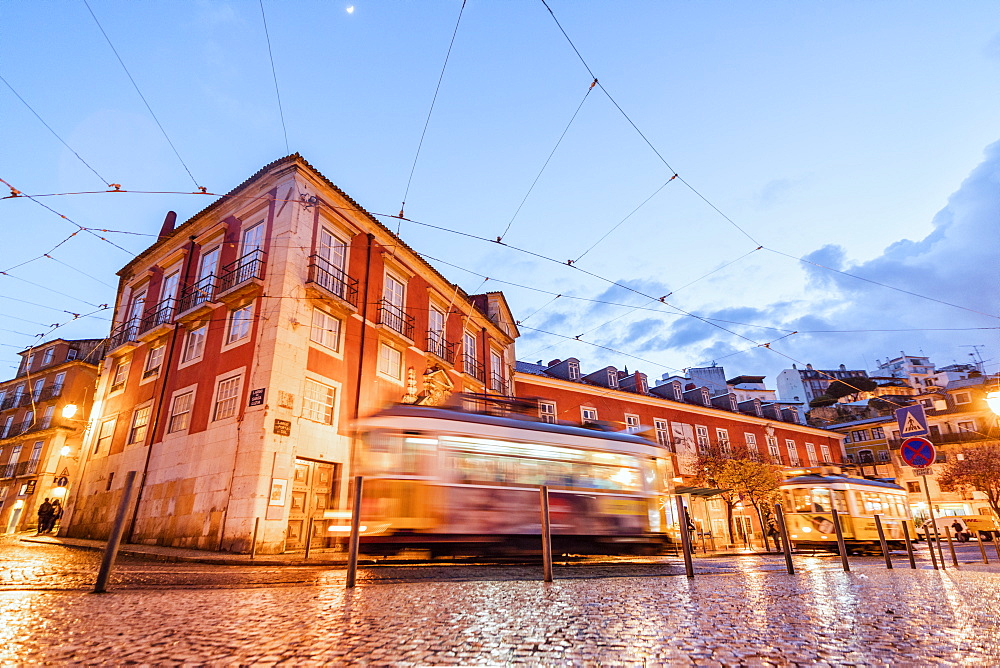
(16, 401)
(498, 384)
(159, 321)
(18, 469)
(196, 298)
(332, 280)
(471, 366)
(439, 347)
(987, 434)
(126, 334)
(243, 276)
(395, 318)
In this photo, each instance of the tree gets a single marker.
(822, 401)
(839, 389)
(978, 469)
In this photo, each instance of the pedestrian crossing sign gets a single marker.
(912, 421)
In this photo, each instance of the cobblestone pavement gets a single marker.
(744, 611)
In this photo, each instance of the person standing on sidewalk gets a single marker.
(44, 515)
(57, 512)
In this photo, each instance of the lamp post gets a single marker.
(993, 401)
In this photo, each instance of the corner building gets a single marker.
(246, 341)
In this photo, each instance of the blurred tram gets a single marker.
(457, 482)
(808, 499)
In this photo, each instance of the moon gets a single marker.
(350, 10)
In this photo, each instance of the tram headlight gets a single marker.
(806, 529)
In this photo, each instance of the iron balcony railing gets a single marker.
(124, 333)
(498, 383)
(247, 268)
(439, 346)
(18, 469)
(333, 279)
(17, 401)
(473, 367)
(163, 314)
(395, 318)
(197, 294)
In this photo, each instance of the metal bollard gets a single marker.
(685, 538)
(309, 538)
(115, 539)
(546, 535)
(909, 546)
(996, 544)
(786, 544)
(355, 539)
(940, 548)
(841, 545)
(881, 540)
(253, 541)
(982, 548)
(951, 546)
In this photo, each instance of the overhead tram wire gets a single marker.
(141, 96)
(54, 133)
(274, 74)
(548, 159)
(437, 89)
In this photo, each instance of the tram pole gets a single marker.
(785, 543)
(685, 537)
(115, 539)
(309, 538)
(909, 545)
(253, 541)
(951, 547)
(841, 545)
(355, 539)
(546, 534)
(881, 540)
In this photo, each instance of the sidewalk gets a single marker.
(317, 557)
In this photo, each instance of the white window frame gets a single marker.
(48, 354)
(470, 350)
(588, 414)
(239, 323)
(8, 423)
(498, 372)
(194, 345)
(140, 425)
(315, 406)
(390, 294)
(47, 416)
(722, 437)
(662, 428)
(574, 370)
(773, 449)
(36, 389)
(878, 433)
(390, 362)
(547, 411)
(751, 442)
(824, 450)
(154, 361)
(811, 454)
(702, 438)
(226, 403)
(72, 354)
(966, 400)
(966, 426)
(325, 329)
(793, 452)
(180, 420)
(612, 378)
(105, 435)
(632, 423)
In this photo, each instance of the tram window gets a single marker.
(801, 501)
(820, 500)
(840, 501)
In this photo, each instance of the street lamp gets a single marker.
(993, 401)
(69, 410)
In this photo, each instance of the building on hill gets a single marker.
(43, 416)
(246, 341)
(804, 385)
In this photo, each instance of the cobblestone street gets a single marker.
(746, 612)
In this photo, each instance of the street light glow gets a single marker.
(69, 410)
(993, 401)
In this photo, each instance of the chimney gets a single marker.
(168, 224)
(554, 362)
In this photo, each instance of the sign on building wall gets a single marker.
(282, 427)
(257, 397)
(278, 487)
(687, 451)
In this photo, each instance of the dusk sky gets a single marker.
(859, 136)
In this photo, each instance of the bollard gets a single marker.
(996, 543)
(940, 548)
(685, 537)
(982, 548)
(909, 546)
(309, 538)
(785, 543)
(355, 539)
(546, 535)
(881, 540)
(841, 546)
(115, 539)
(951, 546)
(253, 541)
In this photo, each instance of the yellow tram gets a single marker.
(452, 481)
(809, 498)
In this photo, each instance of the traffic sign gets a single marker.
(924, 471)
(912, 421)
(918, 452)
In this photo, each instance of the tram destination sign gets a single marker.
(918, 452)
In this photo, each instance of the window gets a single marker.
(825, 452)
(662, 432)
(860, 435)
(58, 382)
(631, 423)
(963, 398)
(71, 354)
(194, 344)
(793, 452)
(325, 329)
(104, 435)
(47, 356)
(547, 411)
(394, 293)
(966, 426)
(317, 402)
(850, 457)
(877, 433)
(722, 436)
(499, 373)
(913, 487)
(180, 412)
(27, 422)
(751, 440)
(612, 378)
(226, 398)
(866, 457)
(18, 391)
(470, 353)
(29, 361)
(153, 361)
(574, 370)
(47, 417)
(253, 239)
(701, 434)
(140, 421)
(332, 252)
(772, 448)
(239, 323)
(883, 455)
(811, 454)
(36, 455)
(588, 414)
(6, 426)
(36, 389)
(390, 361)
(3, 395)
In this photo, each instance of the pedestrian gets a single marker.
(959, 531)
(772, 531)
(57, 513)
(44, 515)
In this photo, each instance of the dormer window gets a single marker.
(612, 378)
(48, 355)
(574, 370)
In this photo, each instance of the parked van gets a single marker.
(982, 525)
